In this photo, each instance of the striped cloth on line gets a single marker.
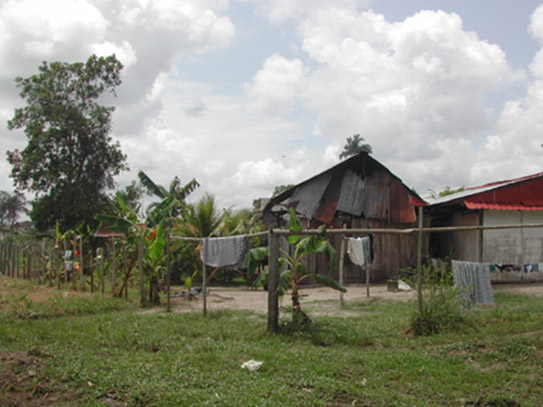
(229, 252)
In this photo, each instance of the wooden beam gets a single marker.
(273, 281)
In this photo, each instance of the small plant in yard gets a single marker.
(441, 308)
(294, 269)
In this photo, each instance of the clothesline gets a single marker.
(199, 239)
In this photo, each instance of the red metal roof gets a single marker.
(502, 207)
(525, 193)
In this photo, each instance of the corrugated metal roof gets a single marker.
(472, 191)
(328, 205)
(377, 194)
(306, 197)
(360, 186)
(351, 198)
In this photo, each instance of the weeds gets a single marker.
(441, 308)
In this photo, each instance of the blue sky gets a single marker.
(244, 95)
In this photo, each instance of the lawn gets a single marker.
(90, 351)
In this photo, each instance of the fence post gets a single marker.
(341, 267)
(102, 279)
(113, 257)
(204, 289)
(273, 281)
(140, 268)
(419, 261)
(168, 272)
(81, 262)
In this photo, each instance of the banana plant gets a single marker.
(294, 270)
(128, 223)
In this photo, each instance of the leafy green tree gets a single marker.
(354, 146)
(446, 192)
(11, 207)
(281, 188)
(70, 159)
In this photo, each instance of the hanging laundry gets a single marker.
(473, 282)
(230, 252)
(359, 250)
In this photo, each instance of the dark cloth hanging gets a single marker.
(229, 252)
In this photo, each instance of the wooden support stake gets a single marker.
(419, 262)
(113, 265)
(273, 281)
(64, 258)
(204, 289)
(140, 269)
(102, 279)
(341, 267)
(81, 262)
(168, 272)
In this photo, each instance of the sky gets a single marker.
(246, 95)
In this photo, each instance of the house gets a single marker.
(359, 192)
(515, 253)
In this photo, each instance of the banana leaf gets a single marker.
(329, 283)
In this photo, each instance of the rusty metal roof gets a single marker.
(306, 197)
(359, 186)
(352, 196)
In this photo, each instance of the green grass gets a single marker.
(101, 352)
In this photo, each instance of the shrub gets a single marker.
(441, 308)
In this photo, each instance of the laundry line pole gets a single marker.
(273, 281)
(419, 261)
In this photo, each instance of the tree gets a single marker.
(11, 207)
(353, 146)
(70, 159)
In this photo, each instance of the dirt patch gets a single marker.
(18, 288)
(23, 381)
(241, 298)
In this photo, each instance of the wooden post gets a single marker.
(204, 289)
(341, 267)
(91, 271)
(51, 264)
(367, 272)
(43, 265)
(64, 263)
(29, 262)
(73, 246)
(102, 279)
(273, 281)
(81, 262)
(419, 262)
(140, 268)
(113, 257)
(57, 268)
(168, 272)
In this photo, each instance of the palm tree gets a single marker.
(11, 207)
(202, 219)
(353, 146)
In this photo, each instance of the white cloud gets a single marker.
(274, 88)
(415, 90)
(536, 23)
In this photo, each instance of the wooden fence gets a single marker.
(39, 258)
